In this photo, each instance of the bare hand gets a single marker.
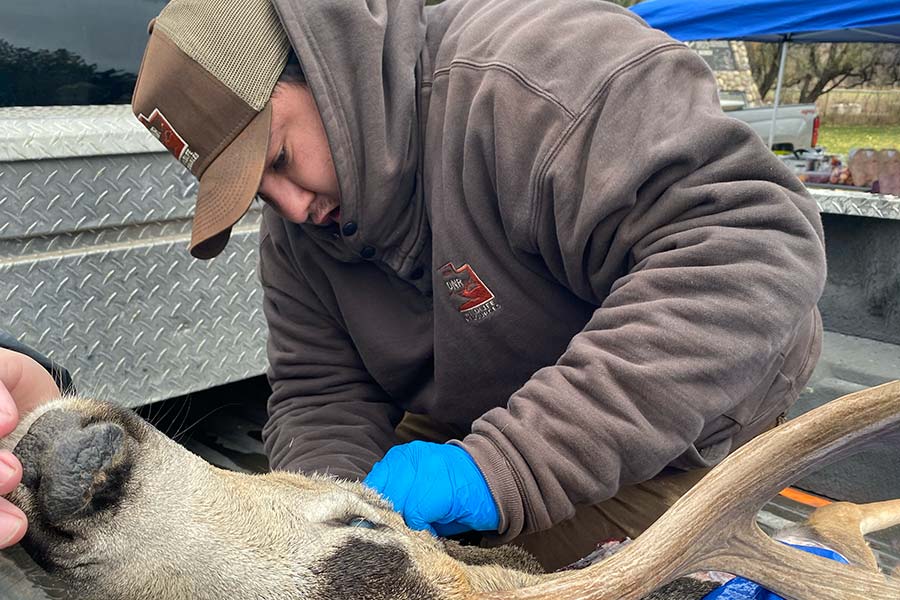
(24, 385)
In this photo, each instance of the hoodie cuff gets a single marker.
(501, 480)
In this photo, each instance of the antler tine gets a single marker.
(714, 525)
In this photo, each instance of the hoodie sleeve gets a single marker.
(705, 256)
(326, 414)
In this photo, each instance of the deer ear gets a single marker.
(361, 569)
(150, 25)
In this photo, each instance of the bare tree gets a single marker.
(764, 65)
(816, 69)
(820, 68)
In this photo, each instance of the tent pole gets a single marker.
(784, 47)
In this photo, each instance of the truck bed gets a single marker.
(795, 124)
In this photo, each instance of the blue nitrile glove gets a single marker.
(437, 487)
(741, 589)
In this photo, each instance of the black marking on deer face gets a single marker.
(363, 570)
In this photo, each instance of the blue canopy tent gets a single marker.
(784, 21)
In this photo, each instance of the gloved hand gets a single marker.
(436, 487)
(742, 589)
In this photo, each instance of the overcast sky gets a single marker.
(109, 33)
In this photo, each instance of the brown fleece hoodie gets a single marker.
(623, 277)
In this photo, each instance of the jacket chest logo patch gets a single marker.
(473, 299)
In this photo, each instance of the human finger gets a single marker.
(392, 477)
(10, 472)
(9, 414)
(377, 477)
(448, 529)
(417, 523)
(13, 523)
(26, 380)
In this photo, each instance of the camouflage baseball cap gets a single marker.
(203, 90)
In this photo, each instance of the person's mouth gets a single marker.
(335, 215)
(327, 217)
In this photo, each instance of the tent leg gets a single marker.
(784, 47)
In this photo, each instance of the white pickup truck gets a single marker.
(796, 125)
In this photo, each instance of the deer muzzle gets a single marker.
(74, 466)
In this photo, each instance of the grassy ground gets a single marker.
(838, 139)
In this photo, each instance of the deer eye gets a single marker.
(361, 522)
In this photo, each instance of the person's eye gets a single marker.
(279, 161)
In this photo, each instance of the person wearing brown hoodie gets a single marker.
(525, 228)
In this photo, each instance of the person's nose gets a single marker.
(288, 199)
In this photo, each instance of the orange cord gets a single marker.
(804, 498)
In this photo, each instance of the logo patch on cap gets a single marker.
(159, 126)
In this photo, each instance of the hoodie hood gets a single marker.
(362, 63)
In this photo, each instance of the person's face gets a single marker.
(299, 180)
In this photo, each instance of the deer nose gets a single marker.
(74, 467)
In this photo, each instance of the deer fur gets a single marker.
(118, 511)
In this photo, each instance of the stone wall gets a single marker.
(731, 64)
(742, 78)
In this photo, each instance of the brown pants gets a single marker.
(627, 514)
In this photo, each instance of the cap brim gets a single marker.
(228, 186)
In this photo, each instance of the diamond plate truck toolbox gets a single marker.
(94, 261)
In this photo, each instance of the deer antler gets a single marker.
(713, 527)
